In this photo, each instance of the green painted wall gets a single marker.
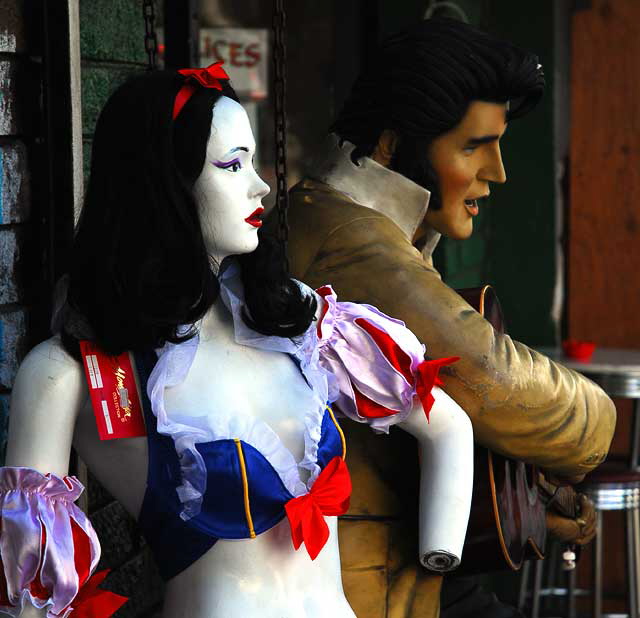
(521, 249)
(112, 31)
(112, 49)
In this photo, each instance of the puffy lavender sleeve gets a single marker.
(377, 362)
(48, 547)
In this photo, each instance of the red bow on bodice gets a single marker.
(329, 496)
(208, 77)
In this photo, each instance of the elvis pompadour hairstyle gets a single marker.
(419, 84)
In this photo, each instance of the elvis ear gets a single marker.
(385, 148)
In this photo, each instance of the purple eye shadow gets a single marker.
(225, 164)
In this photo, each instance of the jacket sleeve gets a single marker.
(521, 404)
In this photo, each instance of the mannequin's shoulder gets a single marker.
(51, 353)
(49, 392)
(49, 365)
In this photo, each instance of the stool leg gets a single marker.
(571, 594)
(636, 552)
(524, 584)
(635, 437)
(597, 568)
(631, 563)
(537, 585)
(551, 562)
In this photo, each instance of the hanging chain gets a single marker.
(280, 91)
(150, 37)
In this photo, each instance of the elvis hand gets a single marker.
(580, 530)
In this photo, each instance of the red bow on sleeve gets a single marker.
(93, 602)
(208, 77)
(428, 378)
(329, 496)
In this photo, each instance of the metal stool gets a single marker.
(612, 487)
(616, 488)
(554, 586)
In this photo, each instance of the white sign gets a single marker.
(245, 53)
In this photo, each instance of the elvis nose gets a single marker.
(500, 173)
(493, 170)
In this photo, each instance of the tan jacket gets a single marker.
(353, 230)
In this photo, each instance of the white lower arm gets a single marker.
(446, 480)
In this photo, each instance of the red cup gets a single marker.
(578, 350)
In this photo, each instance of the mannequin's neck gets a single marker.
(216, 321)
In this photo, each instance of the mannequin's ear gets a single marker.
(386, 146)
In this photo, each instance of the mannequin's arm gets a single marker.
(446, 479)
(48, 393)
(379, 368)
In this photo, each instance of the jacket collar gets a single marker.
(372, 185)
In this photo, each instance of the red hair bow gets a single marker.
(208, 77)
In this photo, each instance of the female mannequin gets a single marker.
(167, 204)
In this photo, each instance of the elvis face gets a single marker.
(466, 159)
(229, 192)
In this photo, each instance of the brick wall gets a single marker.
(20, 141)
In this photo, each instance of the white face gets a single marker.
(228, 191)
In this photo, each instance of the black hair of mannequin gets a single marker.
(139, 268)
(419, 84)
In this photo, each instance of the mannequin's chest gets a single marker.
(226, 378)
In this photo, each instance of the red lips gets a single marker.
(254, 217)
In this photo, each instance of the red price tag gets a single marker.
(114, 395)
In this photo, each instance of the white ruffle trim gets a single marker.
(187, 430)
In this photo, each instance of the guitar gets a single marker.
(508, 517)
